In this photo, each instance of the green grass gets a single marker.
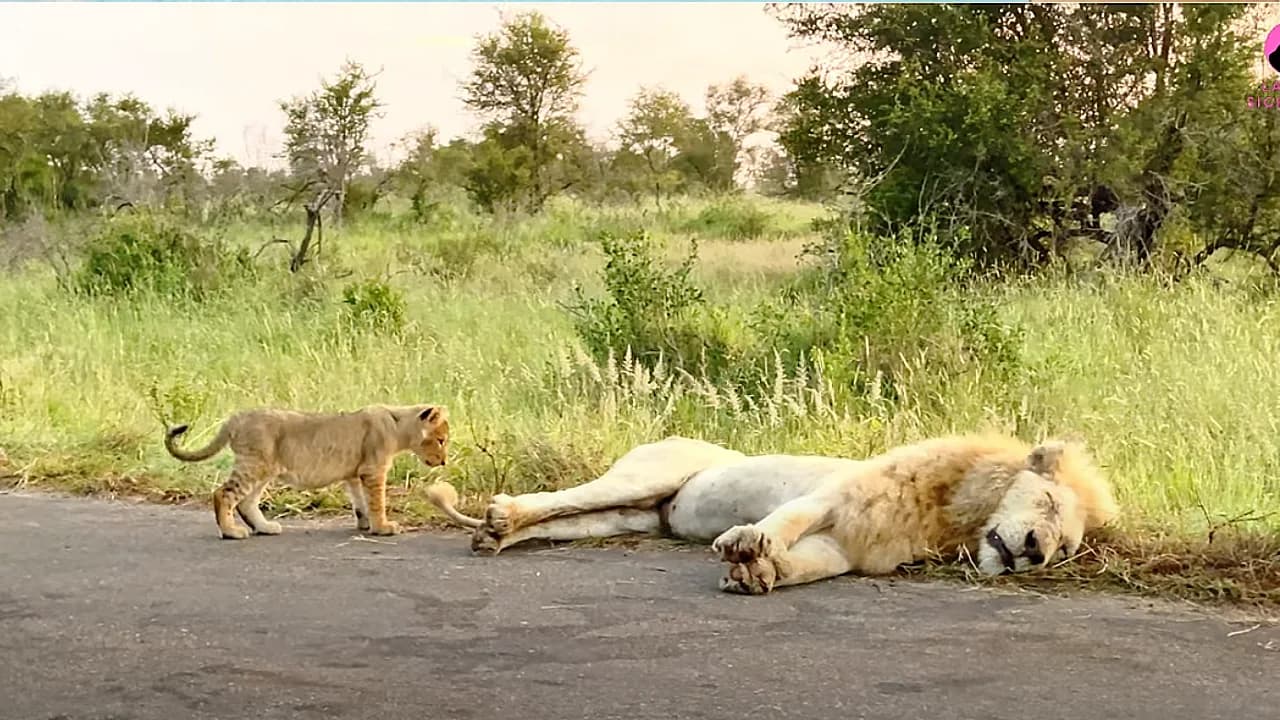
(1175, 387)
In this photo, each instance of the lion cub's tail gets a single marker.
(204, 453)
(445, 498)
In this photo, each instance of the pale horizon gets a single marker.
(230, 64)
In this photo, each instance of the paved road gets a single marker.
(122, 611)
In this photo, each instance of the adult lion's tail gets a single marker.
(204, 453)
(444, 497)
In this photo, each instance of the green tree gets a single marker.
(1023, 124)
(777, 174)
(430, 172)
(28, 178)
(526, 84)
(60, 154)
(706, 157)
(236, 191)
(738, 110)
(946, 114)
(418, 173)
(656, 126)
(143, 157)
(326, 135)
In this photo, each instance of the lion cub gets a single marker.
(314, 450)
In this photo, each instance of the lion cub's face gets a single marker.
(1036, 523)
(432, 437)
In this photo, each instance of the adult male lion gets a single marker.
(785, 519)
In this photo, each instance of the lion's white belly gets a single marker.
(744, 491)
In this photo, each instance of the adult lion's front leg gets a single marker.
(761, 556)
(813, 558)
(750, 554)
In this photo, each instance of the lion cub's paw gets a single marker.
(500, 516)
(235, 532)
(390, 527)
(270, 527)
(754, 578)
(743, 544)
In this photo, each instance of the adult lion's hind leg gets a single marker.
(600, 524)
(639, 479)
(812, 558)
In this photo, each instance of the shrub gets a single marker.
(879, 304)
(374, 305)
(730, 219)
(178, 401)
(442, 209)
(454, 255)
(876, 307)
(647, 307)
(149, 252)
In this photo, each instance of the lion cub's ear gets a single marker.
(1043, 458)
(433, 415)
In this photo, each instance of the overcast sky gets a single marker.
(231, 63)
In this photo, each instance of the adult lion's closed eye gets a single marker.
(314, 450)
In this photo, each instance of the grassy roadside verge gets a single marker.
(1174, 388)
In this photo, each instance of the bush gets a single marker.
(454, 255)
(880, 304)
(730, 219)
(440, 210)
(647, 307)
(876, 307)
(149, 252)
(374, 305)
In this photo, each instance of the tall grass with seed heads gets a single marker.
(1176, 388)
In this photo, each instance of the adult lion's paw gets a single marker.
(743, 544)
(484, 543)
(754, 578)
(499, 517)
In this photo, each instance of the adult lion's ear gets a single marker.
(1043, 458)
(432, 415)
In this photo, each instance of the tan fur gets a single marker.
(443, 496)
(315, 450)
(1008, 505)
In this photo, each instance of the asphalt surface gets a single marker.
(120, 611)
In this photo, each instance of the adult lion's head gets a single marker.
(1041, 518)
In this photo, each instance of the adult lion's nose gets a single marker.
(1031, 549)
